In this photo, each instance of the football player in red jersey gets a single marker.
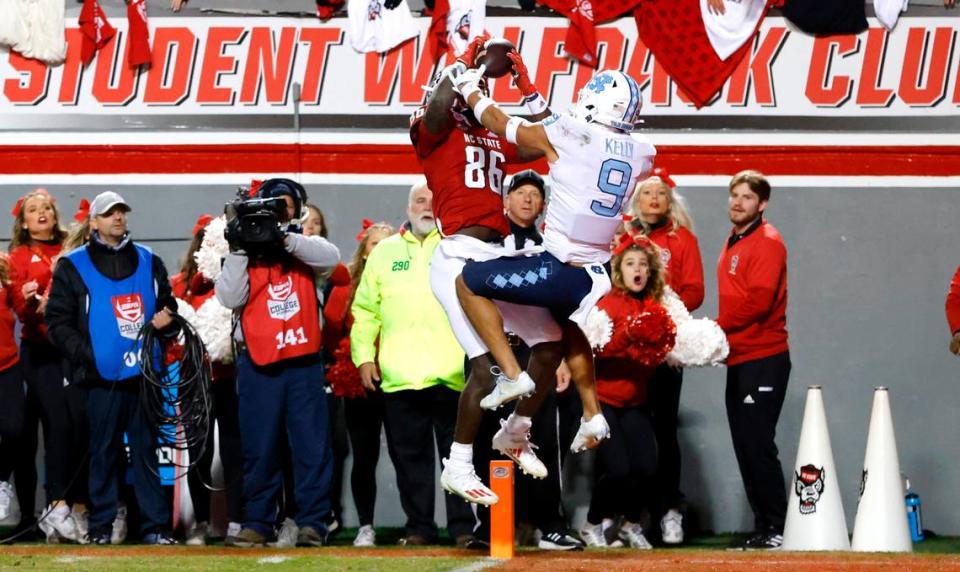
(464, 164)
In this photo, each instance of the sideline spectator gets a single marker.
(279, 373)
(363, 409)
(418, 366)
(88, 284)
(642, 334)
(752, 284)
(12, 402)
(193, 288)
(661, 214)
(953, 312)
(34, 246)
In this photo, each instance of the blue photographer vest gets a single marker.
(118, 309)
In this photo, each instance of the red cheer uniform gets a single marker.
(8, 344)
(681, 258)
(953, 303)
(752, 280)
(31, 262)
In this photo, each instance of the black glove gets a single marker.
(391, 4)
(232, 234)
(528, 5)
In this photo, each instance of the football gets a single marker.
(494, 56)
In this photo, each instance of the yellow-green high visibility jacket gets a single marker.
(394, 300)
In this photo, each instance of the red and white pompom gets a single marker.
(598, 328)
(213, 249)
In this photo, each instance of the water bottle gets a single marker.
(914, 518)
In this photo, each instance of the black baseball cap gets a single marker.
(527, 177)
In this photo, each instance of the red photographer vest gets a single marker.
(281, 318)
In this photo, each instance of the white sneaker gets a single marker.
(118, 533)
(287, 537)
(632, 533)
(82, 523)
(460, 479)
(595, 430)
(198, 536)
(611, 532)
(58, 524)
(592, 535)
(9, 505)
(366, 536)
(507, 389)
(671, 526)
(520, 449)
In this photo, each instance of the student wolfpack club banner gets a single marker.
(212, 66)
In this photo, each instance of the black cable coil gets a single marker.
(176, 396)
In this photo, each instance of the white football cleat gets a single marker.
(460, 479)
(520, 449)
(506, 389)
(595, 430)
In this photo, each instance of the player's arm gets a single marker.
(436, 119)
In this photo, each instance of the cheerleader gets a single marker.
(11, 404)
(631, 334)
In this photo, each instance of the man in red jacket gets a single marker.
(752, 280)
(953, 312)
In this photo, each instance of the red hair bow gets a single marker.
(36, 192)
(627, 217)
(254, 187)
(367, 223)
(83, 211)
(664, 176)
(627, 240)
(202, 223)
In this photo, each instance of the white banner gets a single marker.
(234, 66)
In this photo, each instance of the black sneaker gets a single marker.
(763, 541)
(98, 538)
(159, 538)
(559, 541)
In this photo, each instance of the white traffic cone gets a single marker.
(815, 518)
(881, 524)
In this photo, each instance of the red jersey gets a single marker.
(33, 262)
(680, 254)
(464, 167)
(8, 344)
(752, 280)
(198, 291)
(953, 303)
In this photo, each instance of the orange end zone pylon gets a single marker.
(501, 514)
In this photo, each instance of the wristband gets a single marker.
(535, 103)
(512, 126)
(481, 105)
(468, 90)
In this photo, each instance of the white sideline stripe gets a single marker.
(694, 138)
(272, 560)
(234, 179)
(477, 566)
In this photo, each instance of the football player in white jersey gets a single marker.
(595, 163)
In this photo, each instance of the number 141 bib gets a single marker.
(281, 320)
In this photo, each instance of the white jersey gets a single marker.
(592, 181)
(373, 28)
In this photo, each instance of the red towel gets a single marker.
(138, 52)
(96, 29)
(581, 40)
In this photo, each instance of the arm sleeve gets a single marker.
(232, 287)
(314, 251)
(366, 314)
(765, 272)
(25, 309)
(953, 303)
(690, 285)
(64, 314)
(165, 297)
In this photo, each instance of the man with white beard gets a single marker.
(402, 343)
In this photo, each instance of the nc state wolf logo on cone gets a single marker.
(809, 487)
(128, 309)
(282, 303)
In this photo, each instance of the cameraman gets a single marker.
(279, 373)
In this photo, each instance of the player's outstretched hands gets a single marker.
(469, 55)
(520, 74)
(467, 81)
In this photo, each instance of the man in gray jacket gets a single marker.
(280, 382)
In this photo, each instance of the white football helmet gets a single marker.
(611, 98)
